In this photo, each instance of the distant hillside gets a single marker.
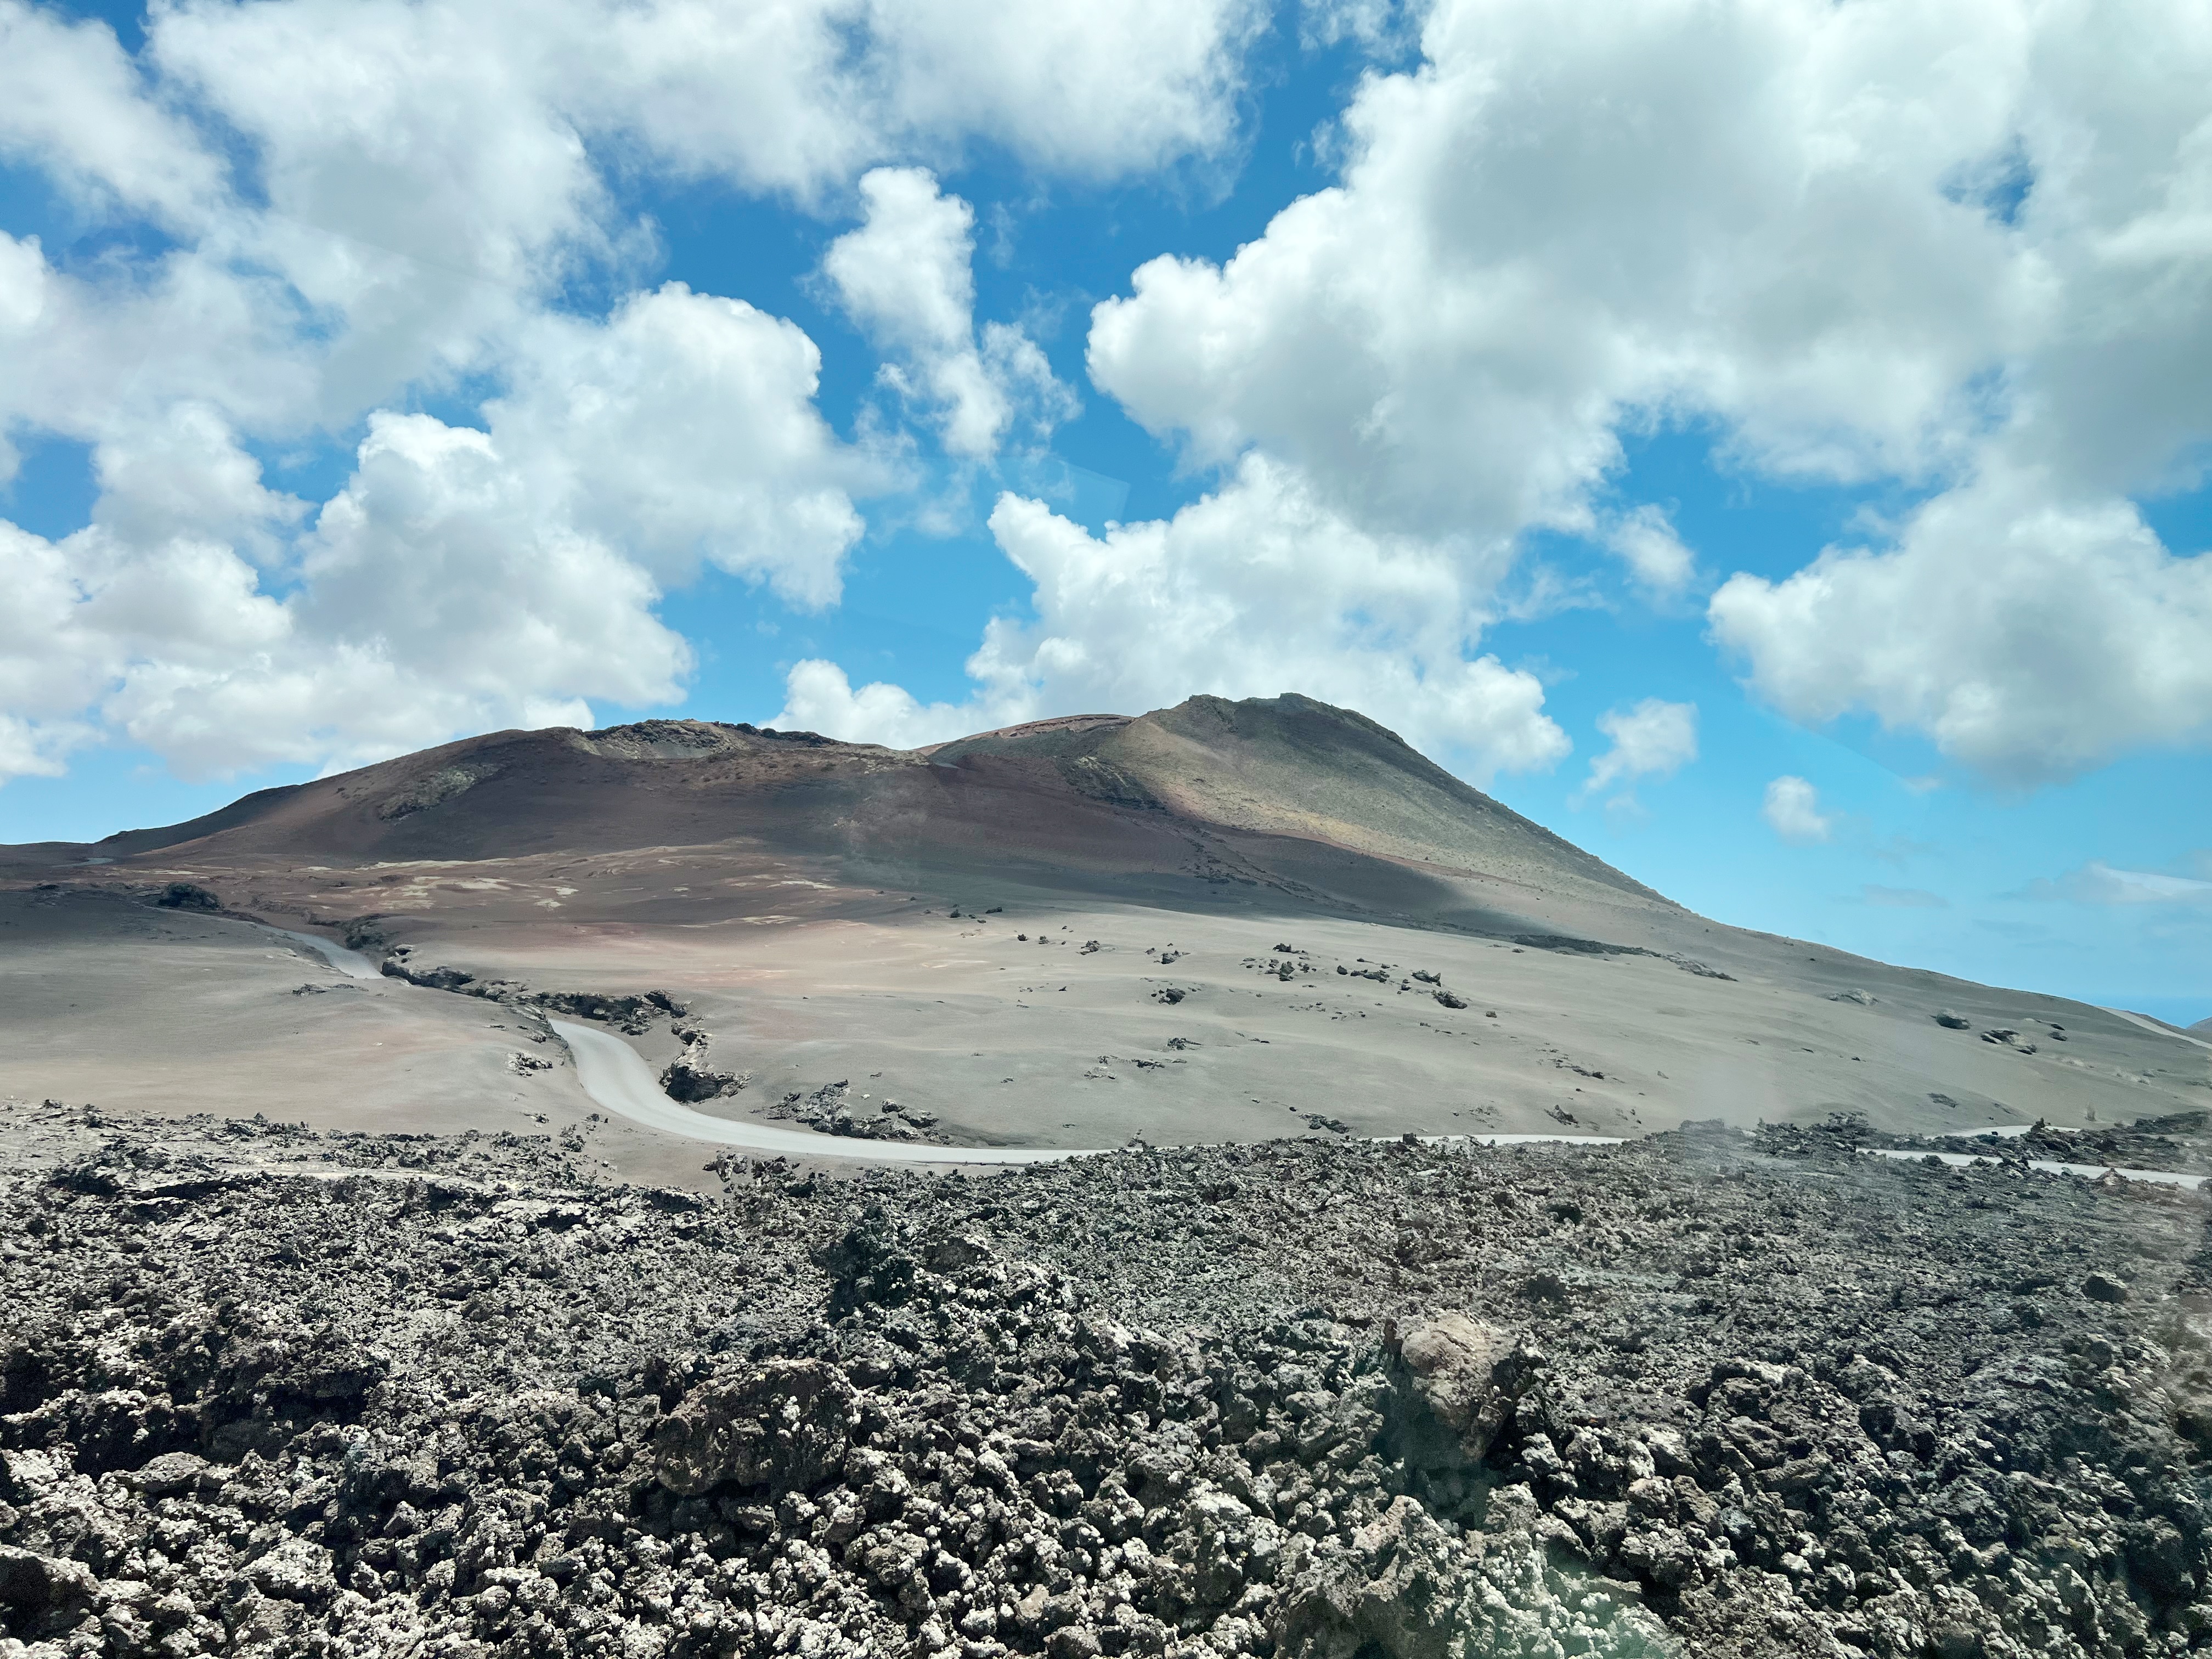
(508, 792)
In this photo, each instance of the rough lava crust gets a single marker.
(272, 1392)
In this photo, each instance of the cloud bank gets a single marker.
(1960, 249)
(1253, 590)
(1956, 253)
(342, 211)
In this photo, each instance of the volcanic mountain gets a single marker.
(1286, 793)
(1225, 920)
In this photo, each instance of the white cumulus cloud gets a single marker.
(683, 430)
(431, 595)
(2099, 882)
(1645, 540)
(70, 104)
(1957, 250)
(1792, 811)
(2030, 635)
(1655, 740)
(818, 696)
(906, 277)
(1543, 230)
(462, 579)
(1254, 590)
(1091, 91)
(368, 208)
(795, 96)
(1960, 246)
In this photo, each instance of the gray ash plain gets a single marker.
(268, 1391)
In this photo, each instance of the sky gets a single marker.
(1763, 440)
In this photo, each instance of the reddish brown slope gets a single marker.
(1284, 796)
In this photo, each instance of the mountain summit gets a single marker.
(1291, 766)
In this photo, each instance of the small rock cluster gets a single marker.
(691, 1077)
(2178, 1143)
(265, 1392)
(633, 1014)
(834, 1109)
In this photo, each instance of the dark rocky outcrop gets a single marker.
(633, 1014)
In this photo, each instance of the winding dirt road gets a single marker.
(615, 1075)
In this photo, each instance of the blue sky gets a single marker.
(1764, 444)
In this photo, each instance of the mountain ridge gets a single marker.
(1104, 790)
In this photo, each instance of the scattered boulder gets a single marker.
(295, 1570)
(691, 1077)
(434, 979)
(785, 1424)
(683, 1081)
(436, 789)
(1703, 970)
(632, 1014)
(35, 1588)
(1951, 1022)
(167, 1475)
(1455, 1363)
(364, 933)
(869, 1265)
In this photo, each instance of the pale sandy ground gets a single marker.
(164, 1012)
(803, 982)
(1043, 1043)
